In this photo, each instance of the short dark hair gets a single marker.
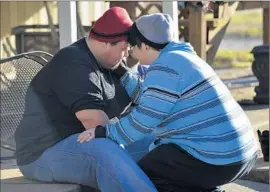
(139, 44)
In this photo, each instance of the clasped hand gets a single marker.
(87, 135)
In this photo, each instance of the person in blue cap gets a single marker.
(203, 137)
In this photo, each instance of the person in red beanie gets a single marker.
(108, 37)
(75, 91)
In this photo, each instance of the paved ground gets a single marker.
(246, 186)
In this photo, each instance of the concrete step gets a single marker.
(41, 187)
(246, 186)
(259, 117)
(259, 173)
(12, 180)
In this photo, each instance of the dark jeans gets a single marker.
(171, 169)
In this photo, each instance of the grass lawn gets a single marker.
(236, 59)
(246, 23)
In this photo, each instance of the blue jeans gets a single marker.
(100, 163)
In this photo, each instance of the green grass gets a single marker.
(234, 59)
(246, 23)
(248, 16)
(243, 23)
(243, 30)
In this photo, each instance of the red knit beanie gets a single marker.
(112, 26)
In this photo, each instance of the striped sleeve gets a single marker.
(155, 104)
(133, 85)
(131, 81)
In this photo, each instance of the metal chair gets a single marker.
(16, 74)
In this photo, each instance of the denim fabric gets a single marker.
(100, 163)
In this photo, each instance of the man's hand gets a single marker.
(87, 135)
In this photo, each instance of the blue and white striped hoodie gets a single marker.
(184, 102)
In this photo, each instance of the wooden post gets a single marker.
(171, 8)
(197, 31)
(67, 22)
(98, 9)
(266, 39)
